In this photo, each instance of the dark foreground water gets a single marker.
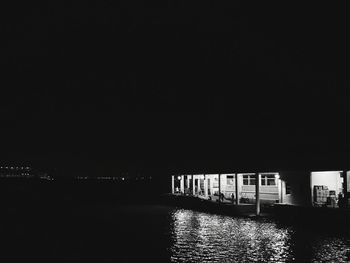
(150, 233)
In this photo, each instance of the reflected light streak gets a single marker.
(214, 238)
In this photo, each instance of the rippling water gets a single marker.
(135, 233)
(201, 237)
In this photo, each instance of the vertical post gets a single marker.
(205, 186)
(198, 184)
(281, 191)
(278, 182)
(172, 185)
(182, 184)
(345, 183)
(188, 184)
(210, 185)
(257, 193)
(219, 175)
(236, 186)
(193, 187)
(311, 189)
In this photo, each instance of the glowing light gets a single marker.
(196, 232)
(179, 178)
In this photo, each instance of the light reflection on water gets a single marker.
(213, 238)
(201, 237)
(332, 250)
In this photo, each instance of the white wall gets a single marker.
(332, 179)
(226, 189)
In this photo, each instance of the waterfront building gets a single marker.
(315, 188)
(296, 188)
(211, 186)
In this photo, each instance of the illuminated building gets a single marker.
(297, 188)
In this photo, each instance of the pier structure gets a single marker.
(318, 188)
(230, 188)
(257, 193)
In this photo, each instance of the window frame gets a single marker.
(230, 180)
(265, 178)
(249, 178)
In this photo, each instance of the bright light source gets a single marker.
(277, 176)
(179, 178)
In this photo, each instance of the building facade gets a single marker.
(298, 188)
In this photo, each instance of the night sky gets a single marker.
(174, 85)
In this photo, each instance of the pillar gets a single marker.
(257, 193)
(345, 183)
(188, 183)
(219, 175)
(205, 186)
(198, 184)
(311, 202)
(172, 184)
(182, 184)
(237, 187)
(193, 186)
(279, 189)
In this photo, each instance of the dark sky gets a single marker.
(174, 85)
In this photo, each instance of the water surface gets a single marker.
(135, 233)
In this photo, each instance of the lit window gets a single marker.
(268, 179)
(248, 179)
(252, 180)
(229, 179)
